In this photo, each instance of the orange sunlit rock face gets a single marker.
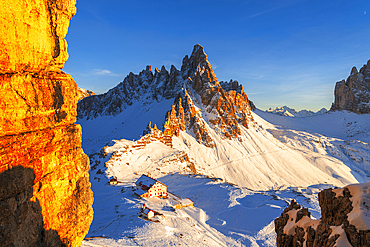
(30, 101)
(61, 182)
(226, 103)
(32, 34)
(37, 130)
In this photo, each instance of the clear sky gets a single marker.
(283, 52)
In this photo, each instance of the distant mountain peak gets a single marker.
(83, 93)
(290, 112)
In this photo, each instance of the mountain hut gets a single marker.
(150, 187)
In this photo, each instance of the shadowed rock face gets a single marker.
(44, 185)
(353, 94)
(193, 87)
(18, 212)
(333, 228)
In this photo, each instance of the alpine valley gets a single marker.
(206, 141)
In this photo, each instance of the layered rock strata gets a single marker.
(194, 88)
(345, 220)
(353, 94)
(45, 193)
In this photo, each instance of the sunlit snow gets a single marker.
(242, 186)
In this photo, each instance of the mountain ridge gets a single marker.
(210, 121)
(233, 173)
(192, 88)
(290, 112)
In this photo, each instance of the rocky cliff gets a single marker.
(45, 193)
(345, 220)
(353, 94)
(194, 89)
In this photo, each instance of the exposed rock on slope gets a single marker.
(353, 94)
(153, 135)
(193, 88)
(345, 220)
(19, 212)
(37, 112)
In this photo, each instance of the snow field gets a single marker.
(242, 186)
(223, 215)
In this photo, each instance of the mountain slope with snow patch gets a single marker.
(240, 168)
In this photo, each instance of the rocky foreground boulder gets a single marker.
(45, 195)
(353, 94)
(345, 220)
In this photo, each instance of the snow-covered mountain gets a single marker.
(290, 112)
(198, 99)
(210, 121)
(224, 213)
(240, 168)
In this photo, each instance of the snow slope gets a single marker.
(244, 187)
(339, 124)
(342, 136)
(223, 215)
(128, 124)
(256, 160)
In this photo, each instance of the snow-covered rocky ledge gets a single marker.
(345, 220)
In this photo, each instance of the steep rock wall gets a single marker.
(40, 146)
(353, 94)
(32, 34)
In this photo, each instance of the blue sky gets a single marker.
(283, 52)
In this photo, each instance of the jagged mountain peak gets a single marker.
(199, 100)
(197, 64)
(354, 70)
(197, 57)
(353, 94)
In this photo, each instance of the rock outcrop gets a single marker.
(353, 94)
(199, 98)
(345, 220)
(45, 192)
